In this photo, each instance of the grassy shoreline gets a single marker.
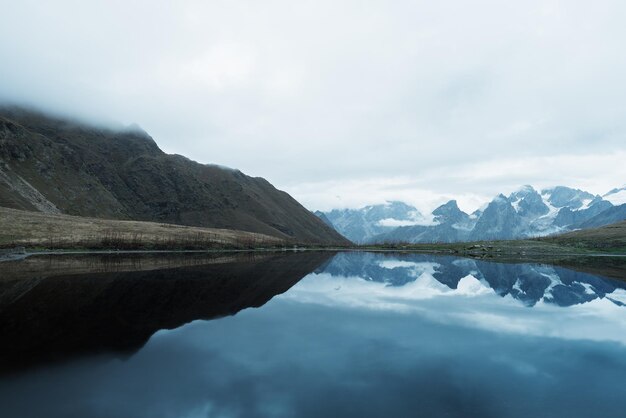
(502, 248)
(38, 232)
(606, 265)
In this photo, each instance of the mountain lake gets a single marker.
(310, 334)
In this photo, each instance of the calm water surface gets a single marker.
(311, 335)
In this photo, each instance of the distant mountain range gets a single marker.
(54, 165)
(523, 214)
(360, 225)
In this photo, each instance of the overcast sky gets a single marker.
(344, 103)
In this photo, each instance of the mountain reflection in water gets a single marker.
(58, 306)
(529, 283)
(362, 335)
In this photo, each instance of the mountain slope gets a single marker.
(611, 236)
(54, 165)
(37, 229)
(610, 216)
(573, 218)
(324, 218)
(498, 221)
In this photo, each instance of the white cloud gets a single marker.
(417, 268)
(618, 197)
(391, 222)
(434, 99)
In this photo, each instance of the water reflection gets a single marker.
(366, 335)
(527, 282)
(530, 299)
(54, 307)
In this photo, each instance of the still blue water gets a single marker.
(367, 335)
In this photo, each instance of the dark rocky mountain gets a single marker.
(55, 165)
(523, 214)
(324, 218)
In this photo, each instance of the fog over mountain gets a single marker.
(343, 104)
(56, 166)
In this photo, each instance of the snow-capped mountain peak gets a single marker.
(561, 196)
(524, 213)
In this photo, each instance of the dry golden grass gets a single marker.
(34, 229)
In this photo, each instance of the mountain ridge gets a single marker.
(525, 213)
(49, 164)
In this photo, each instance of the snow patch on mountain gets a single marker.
(552, 210)
(517, 286)
(585, 204)
(589, 290)
(555, 281)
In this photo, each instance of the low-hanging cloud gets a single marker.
(313, 92)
